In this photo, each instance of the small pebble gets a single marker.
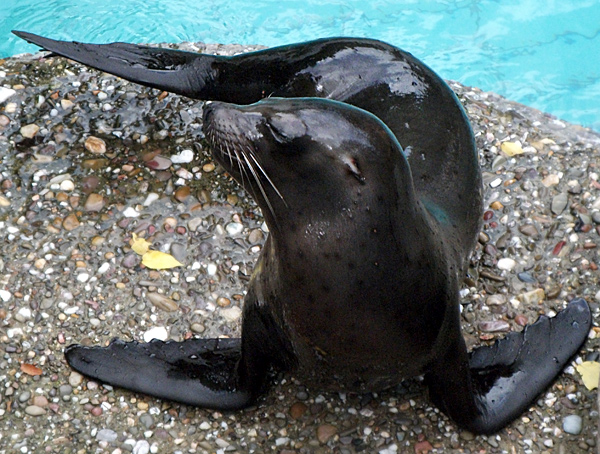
(131, 212)
(29, 131)
(559, 203)
(66, 104)
(183, 157)
(75, 379)
(231, 314)
(325, 432)
(70, 222)
(551, 180)
(158, 332)
(106, 435)
(233, 228)
(529, 230)
(162, 302)
(94, 202)
(65, 390)
(534, 297)
(297, 410)
(255, 236)
(141, 447)
(95, 145)
(495, 300)
(159, 163)
(34, 410)
(506, 264)
(494, 326)
(573, 424)
(182, 193)
(6, 93)
(521, 320)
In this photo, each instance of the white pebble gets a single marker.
(211, 269)
(24, 314)
(183, 157)
(185, 174)
(104, 268)
(67, 185)
(83, 277)
(506, 264)
(233, 228)
(75, 379)
(231, 314)
(158, 332)
(6, 295)
(495, 183)
(150, 198)
(141, 447)
(6, 93)
(573, 424)
(130, 212)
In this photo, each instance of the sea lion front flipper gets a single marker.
(175, 71)
(200, 372)
(502, 380)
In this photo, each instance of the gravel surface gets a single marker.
(88, 159)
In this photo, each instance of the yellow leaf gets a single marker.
(139, 245)
(157, 260)
(590, 373)
(511, 148)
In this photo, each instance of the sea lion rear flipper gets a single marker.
(175, 71)
(200, 372)
(502, 380)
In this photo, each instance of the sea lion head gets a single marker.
(304, 158)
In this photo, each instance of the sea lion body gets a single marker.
(352, 271)
(369, 182)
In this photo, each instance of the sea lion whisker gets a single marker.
(241, 168)
(257, 179)
(262, 170)
(229, 147)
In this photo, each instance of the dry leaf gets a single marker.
(157, 260)
(511, 148)
(139, 245)
(30, 369)
(590, 373)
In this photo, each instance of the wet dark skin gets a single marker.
(365, 168)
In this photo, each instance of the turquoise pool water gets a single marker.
(543, 53)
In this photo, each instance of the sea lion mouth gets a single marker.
(227, 131)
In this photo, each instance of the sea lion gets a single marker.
(364, 165)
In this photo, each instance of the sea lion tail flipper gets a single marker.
(505, 378)
(201, 372)
(180, 72)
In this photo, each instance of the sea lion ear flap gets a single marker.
(352, 166)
